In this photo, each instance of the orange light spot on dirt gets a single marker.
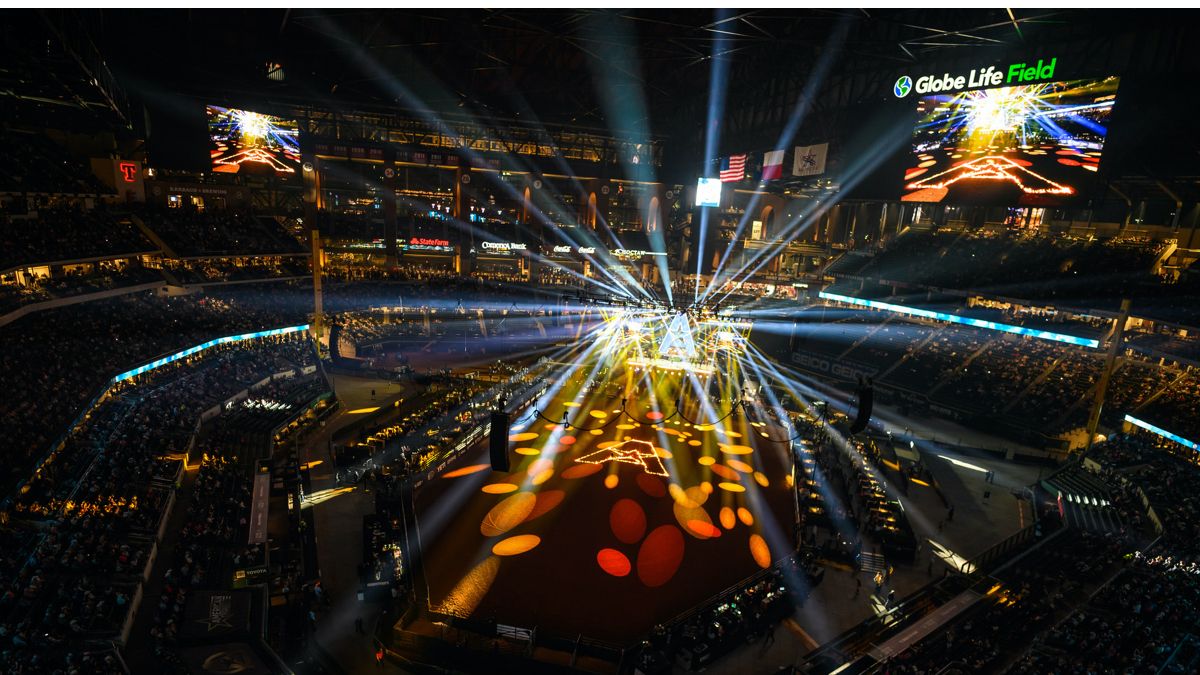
(466, 470)
(614, 562)
(628, 521)
(517, 545)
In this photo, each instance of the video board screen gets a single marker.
(245, 142)
(1034, 145)
(708, 192)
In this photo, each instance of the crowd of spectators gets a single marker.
(550, 275)
(1043, 387)
(1046, 405)
(217, 270)
(35, 164)
(448, 409)
(1171, 346)
(66, 232)
(132, 430)
(1132, 625)
(467, 320)
(1029, 598)
(1019, 264)
(1139, 621)
(80, 279)
(213, 541)
(13, 296)
(931, 362)
(998, 374)
(1178, 408)
(53, 362)
(102, 498)
(748, 614)
(189, 232)
(498, 276)
(1068, 271)
(408, 271)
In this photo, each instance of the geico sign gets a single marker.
(821, 365)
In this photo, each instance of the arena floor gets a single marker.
(616, 524)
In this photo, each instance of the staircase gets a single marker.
(873, 562)
(152, 235)
(1159, 394)
(1029, 387)
(866, 337)
(932, 334)
(959, 370)
(1085, 500)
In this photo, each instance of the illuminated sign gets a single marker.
(965, 320)
(1162, 432)
(129, 171)
(414, 244)
(670, 364)
(427, 244)
(638, 453)
(206, 345)
(633, 253)
(978, 78)
(421, 241)
(585, 250)
(708, 192)
(502, 246)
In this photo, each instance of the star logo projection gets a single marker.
(678, 341)
(638, 453)
(1037, 144)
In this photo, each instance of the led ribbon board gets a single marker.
(965, 320)
(205, 345)
(1162, 432)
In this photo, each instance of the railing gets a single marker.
(716, 599)
(994, 558)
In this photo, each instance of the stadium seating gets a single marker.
(66, 233)
(214, 233)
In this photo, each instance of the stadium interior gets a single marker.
(821, 341)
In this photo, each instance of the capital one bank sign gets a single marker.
(978, 78)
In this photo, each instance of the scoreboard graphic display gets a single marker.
(246, 142)
(1029, 145)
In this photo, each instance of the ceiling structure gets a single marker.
(640, 73)
(564, 66)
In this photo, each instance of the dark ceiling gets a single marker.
(561, 66)
(639, 73)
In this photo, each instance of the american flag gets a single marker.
(733, 168)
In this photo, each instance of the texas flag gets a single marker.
(772, 165)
